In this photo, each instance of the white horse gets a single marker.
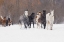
(50, 20)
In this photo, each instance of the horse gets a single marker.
(9, 22)
(38, 20)
(50, 20)
(24, 19)
(31, 19)
(43, 19)
(3, 20)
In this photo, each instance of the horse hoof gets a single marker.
(50, 29)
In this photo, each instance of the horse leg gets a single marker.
(21, 25)
(44, 25)
(12, 23)
(2, 24)
(29, 24)
(51, 27)
(25, 25)
(37, 25)
(33, 24)
(6, 22)
(41, 25)
(47, 25)
(9, 24)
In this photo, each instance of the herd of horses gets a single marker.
(41, 19)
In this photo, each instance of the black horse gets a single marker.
(43, 19)
(31, 19)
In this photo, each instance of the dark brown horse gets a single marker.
(41, 19)
(9, 21)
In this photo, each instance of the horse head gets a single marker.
(52, 12)
(26, 13)
(1, 17)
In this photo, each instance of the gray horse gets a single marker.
(24, 19)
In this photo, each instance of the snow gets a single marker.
(15, 33)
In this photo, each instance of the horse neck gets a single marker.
(26, 15)
(32, 16)
(38, 16)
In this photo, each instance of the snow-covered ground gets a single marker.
(15, 34)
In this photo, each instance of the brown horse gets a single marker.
(3, 20)
(38, 19)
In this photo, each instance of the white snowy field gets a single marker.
(15, 34)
